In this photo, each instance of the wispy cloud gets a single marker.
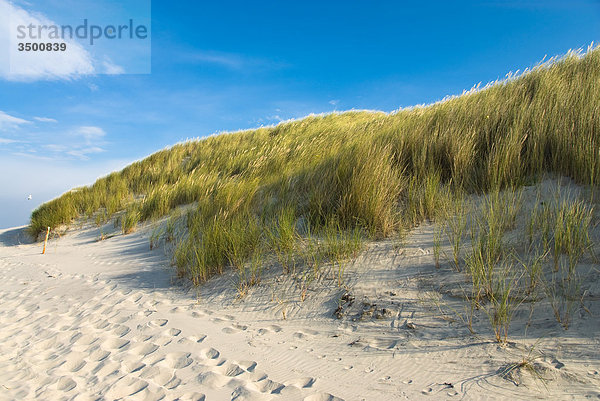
(90, 133)
(34, 66)
(8, 122)
(83, 153)
(79, 143)
(74, 143)
(111, 68)
(45, 119)
(231, 61)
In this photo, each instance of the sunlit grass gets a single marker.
(258, 193)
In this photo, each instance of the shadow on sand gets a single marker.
(15, 236)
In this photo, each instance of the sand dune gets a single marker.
(107, 320)
(91, 335)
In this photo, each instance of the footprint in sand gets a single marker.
(74, 363)
(116, 344)
(301, 334)
(192, 339)
(142, 338)
(135, 298)
(66, 384)
(192, 397)
(438, 388)
(133, 366)
(270, 329)
(322, 397)
(173, 332)
(201, 311)
(382, 343)
(155, 358)
(230, 369)
(121, 330)
(86, 339)
(234, 328)
(101, 324)
(210, 353)
(106, 369)
(162, 340)
(158, 322)
(178, 360)
(268, 386)
(163, 377)
(99, 355)
(126, 387)
(198, 314)
(212, 380)
(144, 349)
(248, 366)
(306, 382)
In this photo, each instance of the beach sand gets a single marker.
(109, 320)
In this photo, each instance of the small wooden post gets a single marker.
(46, 241)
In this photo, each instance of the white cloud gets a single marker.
(54, 144)
(226, 60)
(83, 152)
(90, 133)
(32, 155)
(45, 120)
(276, 117)
(34, 65)
(78, 143)
(111, 68)
(8, 122)
(53, 147)
(230, 60)
(85, 140)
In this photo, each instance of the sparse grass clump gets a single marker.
(130, 219)
(524, 254)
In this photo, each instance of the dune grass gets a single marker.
(523, 254)
(259, 192)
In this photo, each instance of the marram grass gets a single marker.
(260, 191)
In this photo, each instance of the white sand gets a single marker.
(106, 320)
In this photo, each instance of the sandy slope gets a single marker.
(106, 320)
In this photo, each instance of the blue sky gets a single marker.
(218, 66)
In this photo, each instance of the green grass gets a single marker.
(503, 303)
(542, 265)
(456, 227)
(130, 219)
(258, 191)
